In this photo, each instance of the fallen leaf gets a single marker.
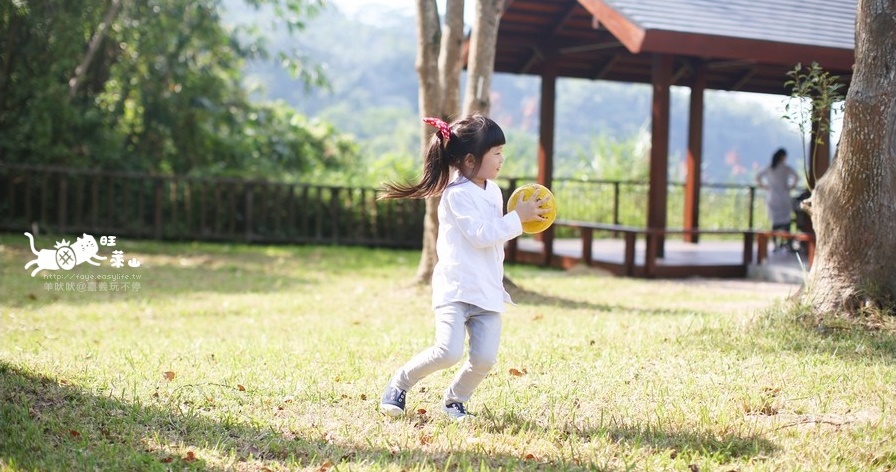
(516, 373)
(425, 439)
(421, 411)
(530, 457)
(74, 433)
(190, 457)
(167, 460)
(169, 375)
(241, 388)
(363, 396)
(325, 466)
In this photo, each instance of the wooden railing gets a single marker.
(763, 237)
(653, 239)
(64, 200)
(624, 202)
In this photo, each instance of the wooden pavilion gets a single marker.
(732, 45)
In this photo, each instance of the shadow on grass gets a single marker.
(527, 297)
(50, 425)
(174, 269)
(866, 341)
(721, 449)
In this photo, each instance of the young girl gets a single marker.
(467, 282)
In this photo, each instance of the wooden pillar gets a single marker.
(546, 145)
(819, 147)
(659, 147)
(695, 155)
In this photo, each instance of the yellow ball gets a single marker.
(533, 227)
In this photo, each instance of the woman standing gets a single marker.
(778, 179)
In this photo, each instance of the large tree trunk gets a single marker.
(481, 62)
(438, 67)
(854, 204)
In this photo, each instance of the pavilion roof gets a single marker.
(745, 45)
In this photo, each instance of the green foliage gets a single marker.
(163, 94)
(611, 158)
(815, 96)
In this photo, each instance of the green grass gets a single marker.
(279, 355)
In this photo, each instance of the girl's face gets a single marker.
(490, 166)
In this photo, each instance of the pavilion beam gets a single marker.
(546, 144)
(657, 195)
(568, 11)
(601, 70)
(819, 146)
(695, 155)
(533, 59)
(742, 80)
(560, 43)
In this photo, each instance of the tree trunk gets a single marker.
(450, 60)
(438, 68)
(481, 62)
(854, 204)
(75, 82)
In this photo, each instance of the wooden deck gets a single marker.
(717, 259)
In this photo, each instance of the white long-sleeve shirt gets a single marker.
(472, 231)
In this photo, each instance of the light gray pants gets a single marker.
(452, 321)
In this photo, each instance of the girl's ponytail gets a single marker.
(436, 168)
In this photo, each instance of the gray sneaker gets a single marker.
(392, 403)
(455, 411)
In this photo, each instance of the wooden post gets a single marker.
(249, 202)
(157, 208)
(546, 145)
(695, 156)
(62, 204)
(748, 248)
(629, 259)
(512, 245)
(659, 149)
(587, 245)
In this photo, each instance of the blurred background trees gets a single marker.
(152, 85)
(300, 90)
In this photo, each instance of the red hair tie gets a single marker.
(443, 127)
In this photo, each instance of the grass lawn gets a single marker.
(232, 357)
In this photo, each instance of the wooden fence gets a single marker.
(62, 200)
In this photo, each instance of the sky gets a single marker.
(356, 6)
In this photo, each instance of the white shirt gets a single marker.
(472, 231)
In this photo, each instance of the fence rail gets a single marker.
(619, 202)
(63, 200)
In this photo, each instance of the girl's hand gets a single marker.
(530, 210)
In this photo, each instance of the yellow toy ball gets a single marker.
(533, 227)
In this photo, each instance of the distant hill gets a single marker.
(370, 64)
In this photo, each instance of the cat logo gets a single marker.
(65, 256)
